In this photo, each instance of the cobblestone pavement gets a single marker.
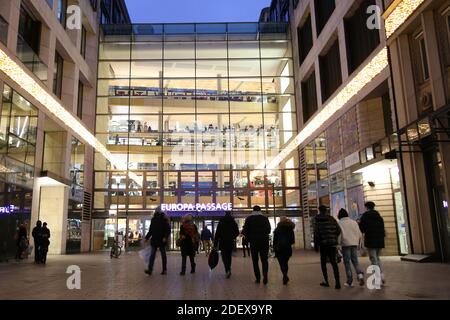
(124, 278)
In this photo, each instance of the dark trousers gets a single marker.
(151, 262)
(183, 262)
(44, 251)
(260, 251)
(37, 252)
(246, 247)
(226, 258)
(283, 260)
(329, 253)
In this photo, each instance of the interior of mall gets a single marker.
(192, 110)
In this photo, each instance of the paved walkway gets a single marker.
(124, 278)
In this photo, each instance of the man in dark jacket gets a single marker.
(159, 232)
(45, 242)
(326, 233)
(227, 231)
(256, 230)
(372, 226)
(206, 237)
(36, 233)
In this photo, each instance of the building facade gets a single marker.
(420, 61)
(193, 110)
(48, 67)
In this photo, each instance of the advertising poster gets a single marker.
(337, 202)
(355, 203)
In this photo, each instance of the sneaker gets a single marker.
(324, 284)
(361, 279)
(348, 284)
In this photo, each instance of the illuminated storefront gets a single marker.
(193, 109)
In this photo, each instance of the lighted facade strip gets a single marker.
(17, 74)
(402, 11)
(364, 77)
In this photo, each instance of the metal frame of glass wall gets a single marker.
(192, 109)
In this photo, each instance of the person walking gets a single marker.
(256, 230)
(326, 233)
(45, 242)
(226, 234)
(22, 241)
(245, 245)
(188, 243)
(36, 233)
(283, 239)
(158, 234)
(206, 237)
(372, 226)
(350, 241)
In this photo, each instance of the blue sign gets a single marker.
(7, 210)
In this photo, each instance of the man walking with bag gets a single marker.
(226, 233)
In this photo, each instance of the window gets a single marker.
(305, 39)
(83, 42)
(424, 58)
(58, 75)
(62, 12)
(330, 71)
(29, 30)
(360, 40)
(80, 100)
(309, 97)
(324, 10)
(50, 3)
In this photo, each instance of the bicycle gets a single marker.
(116, 250)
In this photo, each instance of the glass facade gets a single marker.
(193, 109)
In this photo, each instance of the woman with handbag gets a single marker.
(188, 242)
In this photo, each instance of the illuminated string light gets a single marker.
(23, 79)
(364, 77)
(402, 11)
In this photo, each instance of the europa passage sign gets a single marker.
(197, 209)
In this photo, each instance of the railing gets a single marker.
(3, 31)
(30, 59)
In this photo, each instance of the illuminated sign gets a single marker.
(445, 204)
(198, 207)
(7, 210)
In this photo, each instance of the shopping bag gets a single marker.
(145, 254)
(213, 259)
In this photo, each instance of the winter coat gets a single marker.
(36, 233)
(257, 229)
(206, 234)
(227, 231)
(189, 243)
(351, 235)
(45, 236)
(372, 225)
(284, 238)
(326, 231)
(159, 229)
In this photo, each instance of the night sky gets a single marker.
(158, 11)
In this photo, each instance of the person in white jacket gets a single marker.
(350, 242)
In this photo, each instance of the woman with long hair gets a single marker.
(188, 242)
